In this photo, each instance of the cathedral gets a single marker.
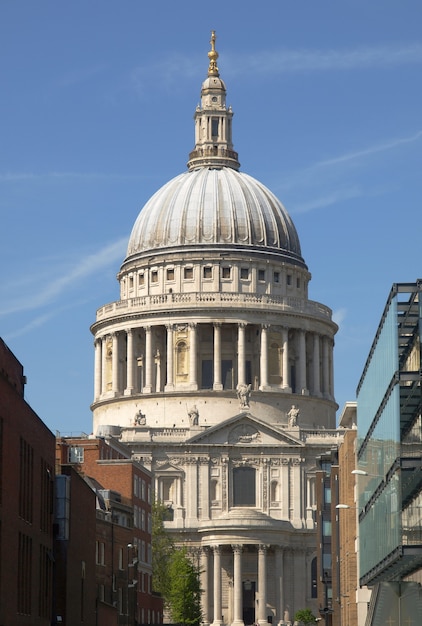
(216, 370)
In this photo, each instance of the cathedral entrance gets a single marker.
(248, 602)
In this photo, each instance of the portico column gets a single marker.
(279, 564)
(286, 373)
(98, 368)
(316, 367)
(217, 586)
(263, 365)
(241, 354)
(115, 363)
(170, 355)
(103, 364)
(237, 586)
(205, 562)
(192, 356)
(302, 363)
(148, 360)
(217, 384)
(130, 363)
(262, 584)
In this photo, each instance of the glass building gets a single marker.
(389, 450)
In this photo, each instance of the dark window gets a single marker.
(188, 273)
(207, 272)
(154, 276)
(261, 274)
(289, 279)
(244, 273)
(214, 127)
(225, 272)
(244, 486)
(276, 277)
(170, 273)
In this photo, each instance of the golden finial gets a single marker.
(213, 56)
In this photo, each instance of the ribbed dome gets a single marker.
(214, 207)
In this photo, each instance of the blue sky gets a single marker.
(96, 110)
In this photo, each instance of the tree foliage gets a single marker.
(305, 616)
(185, 589)
(162, 551)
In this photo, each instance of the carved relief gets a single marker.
(244, 433)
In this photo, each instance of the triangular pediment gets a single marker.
(245, 429)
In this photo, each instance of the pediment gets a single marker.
(244, 430)
(165, 466)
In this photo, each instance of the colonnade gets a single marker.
(305, 356)
(211, 567)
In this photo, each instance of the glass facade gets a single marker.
(389, 442)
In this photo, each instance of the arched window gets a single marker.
(244, 486)
(274, 491)
(214, 491)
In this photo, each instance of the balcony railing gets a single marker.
(211, 300)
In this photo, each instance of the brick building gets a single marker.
(74, 550)
(26, 503)
(123, 525)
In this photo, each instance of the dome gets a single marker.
(215, 207)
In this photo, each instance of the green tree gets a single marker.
(162, 551)
(305, 616)
(185, 589)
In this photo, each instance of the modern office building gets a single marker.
(26, 503)
(389, 455)
(216, 369)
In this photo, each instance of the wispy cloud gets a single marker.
(81, 75)
(381, 147)
(339, 316)
(43, 296)
(170, 70)
(306, 60)
(334, 197)
(18, 177)
(32, 325)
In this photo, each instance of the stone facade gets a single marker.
(216, 369)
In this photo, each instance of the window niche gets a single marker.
(244, 486)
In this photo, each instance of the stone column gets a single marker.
(286, 372)
(193, 384)
(325, 368)
(170, 358)
(316, 367)
(263, 365)
(148, 360)
(103, 365)
(262, 584)
(241, 354)
(217, 384)
(157, 361)
(115, 363)
(217, 586)
(279, 564)
(237, 586)
(302, 363)
(204, 575)
(130, 363)
(98, 368)
(331, 368)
